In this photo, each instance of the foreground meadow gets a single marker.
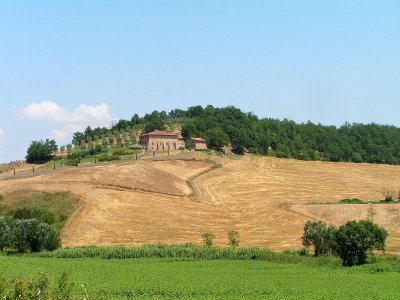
(172, 278)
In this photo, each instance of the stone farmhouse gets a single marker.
(163, 140)
(196, 143)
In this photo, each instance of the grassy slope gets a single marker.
(60, 204)
(217, 279)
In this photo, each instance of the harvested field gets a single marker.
(262, 198)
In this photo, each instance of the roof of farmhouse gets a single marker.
(198, 140)
(160, 132)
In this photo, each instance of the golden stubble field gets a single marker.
(262, 198)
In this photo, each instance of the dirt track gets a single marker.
(262, 198)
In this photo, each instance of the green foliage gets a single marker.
(244, 132)
(208, 238)
(37, 287)
(261, 274)
(42, 215)
(356, 240)
(351, 201)
(320, 236)
(31, 235)
(233, 238)
(41, 151)
(4, 234)
(64, 288)
(107, 157)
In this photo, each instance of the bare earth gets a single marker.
(262, 198)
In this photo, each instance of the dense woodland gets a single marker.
(245, 132)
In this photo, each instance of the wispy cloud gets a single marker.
(73, 120)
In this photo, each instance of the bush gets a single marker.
(233, 237)
(106, 157)
(356, 240)
(37, 287)
(43, 215)
(31, 235)
(320, 236)
(4, 234)
(351, 201)
(208, 238)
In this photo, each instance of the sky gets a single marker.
(65, 65)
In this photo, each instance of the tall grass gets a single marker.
(192, 252)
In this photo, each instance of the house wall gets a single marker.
(196, 145)
(159, 142)
(200, 146)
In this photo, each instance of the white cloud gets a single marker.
(50, 111)
(75, 120)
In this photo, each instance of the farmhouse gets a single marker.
(196, 143)
(161, 140)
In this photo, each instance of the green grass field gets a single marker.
(152, 278)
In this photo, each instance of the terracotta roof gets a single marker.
(198, 140)
(160, 132)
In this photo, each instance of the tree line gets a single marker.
(245, 132)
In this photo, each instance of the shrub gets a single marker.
(351, 201)
(320, 236)
(106, 157)
(4, 234)
(63, 290)
(355, 240)
(233, 237)
(38, 287)
(31, 235)
(208, 238)
(389, 195)
(43, 215)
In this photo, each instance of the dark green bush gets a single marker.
(31, 235)
(351, 201)
(356, 240)
(43, 215)
(4, 234)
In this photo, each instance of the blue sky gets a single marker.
(68, 64)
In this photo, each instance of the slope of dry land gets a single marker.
(174, 201)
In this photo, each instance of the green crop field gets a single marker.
(168, 278)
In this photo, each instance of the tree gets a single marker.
(32, 235)
(356, 240)
(233, 237)
(216, 138)
(40, 151)
(320, 236)
(208, 238)
(4, 234)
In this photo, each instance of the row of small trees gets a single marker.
(233, 238)
(23, 235)
(352, 242)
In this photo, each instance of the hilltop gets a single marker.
(247, 133)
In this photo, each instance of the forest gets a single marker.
(247, 133)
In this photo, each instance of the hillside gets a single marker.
(175, 201)
(245, 132)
